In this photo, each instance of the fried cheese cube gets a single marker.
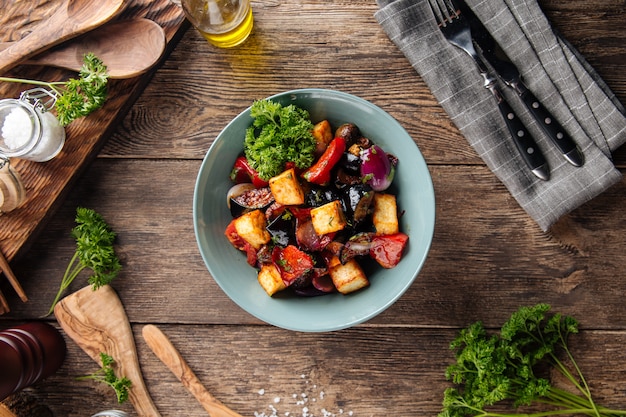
(385, 214)
(355, 149)
(348, 277)
(323, 134)
(328, 218)
(270, 279)
(286, 188)
(251, 228)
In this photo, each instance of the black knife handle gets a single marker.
(528, 148)
(551, 127)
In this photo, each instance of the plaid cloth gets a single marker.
(556, 73)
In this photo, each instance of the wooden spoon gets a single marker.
(70, 20)
(128, 48)
(169, 355)
(97, 322)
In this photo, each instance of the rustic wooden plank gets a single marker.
(216, 85)
(46, 183)
(485, 248)
(213, 86)
(488, 257)
(352, 372)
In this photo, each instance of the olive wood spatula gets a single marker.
(97, 322)
(169, 355)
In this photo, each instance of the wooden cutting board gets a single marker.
(48, 183)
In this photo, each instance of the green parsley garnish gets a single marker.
(279, 134)
(508, 367)
(106, 374)
(77, 97)
(94, 250)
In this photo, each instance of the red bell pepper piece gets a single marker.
(319, 173)
(292, 263)
(301, 213)
(387, 249)
(243, 172)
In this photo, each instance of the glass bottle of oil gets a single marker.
(224, 23)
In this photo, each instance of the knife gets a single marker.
(525, 143)
(510, 75)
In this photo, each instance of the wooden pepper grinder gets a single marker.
(28, 354)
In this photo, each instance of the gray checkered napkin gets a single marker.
(557, 74)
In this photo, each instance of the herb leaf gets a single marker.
(106, 375)
(507, 366)
(84, 95)
(77, 97)
(94, 250)
(279, 134)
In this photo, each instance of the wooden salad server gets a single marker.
(127, 47)
(68, 21)
(97, 322)
(169, 355)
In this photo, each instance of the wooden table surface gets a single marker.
(487, 258)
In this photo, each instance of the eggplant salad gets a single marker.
(311, 204)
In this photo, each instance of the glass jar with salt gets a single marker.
(28, 130)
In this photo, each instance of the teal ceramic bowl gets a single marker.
(237, 279)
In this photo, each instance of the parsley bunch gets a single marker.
(279, 134)
(106, 374)
(94, 250)
(77, 97)
(490, 369)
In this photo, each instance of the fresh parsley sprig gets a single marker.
(106, 375)
(490, 369)
(279, 134)
(76, 97)
(94, 250)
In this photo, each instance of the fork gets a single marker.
(456, 29)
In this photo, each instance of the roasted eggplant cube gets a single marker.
(385, 214)
(351, 163)
(328, 218)
(348, 277)
(251, 228)
(251, 199)
(358, 200)
(270, 279)
(318, 196)
(283, 229)
(286, 188)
